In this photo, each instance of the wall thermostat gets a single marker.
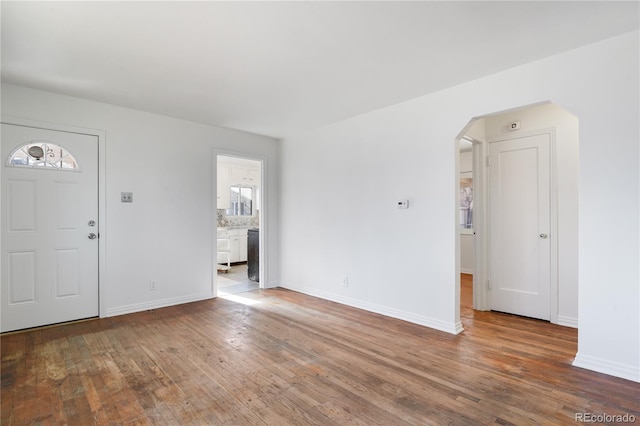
(403, 204)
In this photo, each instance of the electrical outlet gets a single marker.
(152, 285)
(345, 281)
(126, 197)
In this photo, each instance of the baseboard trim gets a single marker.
(466, 271)
(272, 284)
(155, 304)
(605, 366)
(447, 327)
(567, 321)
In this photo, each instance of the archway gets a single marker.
(562, 234)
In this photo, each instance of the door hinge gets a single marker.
(489, 284)
(488, 161)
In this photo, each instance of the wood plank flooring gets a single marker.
(289, 359)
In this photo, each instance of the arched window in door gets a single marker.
(43, 154)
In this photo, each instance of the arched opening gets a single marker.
(517, 242)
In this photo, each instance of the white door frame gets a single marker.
(481, 292)
(102, 228)
(264, 214)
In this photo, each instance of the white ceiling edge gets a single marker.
(279, 68)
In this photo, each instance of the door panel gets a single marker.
(50, 266)
(519, 226)
(21, 267)
(67, 217)
(67, 267)
(23, 205)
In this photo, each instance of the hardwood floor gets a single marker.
(285, 358)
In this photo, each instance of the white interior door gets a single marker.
(519, 213)
(49, 227)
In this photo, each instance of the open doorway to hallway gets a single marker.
(522, 248)
(465, 222)
(238, 220)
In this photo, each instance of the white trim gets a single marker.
(553, 224)
(457, 242)
(156, 304)
(272, 284)
(466, 271)
(447, 327)
(102, 191)
(567, 321)
(625, 371)
(481, 300)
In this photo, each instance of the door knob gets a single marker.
(92, 236)
(543, 236)
(92, 223)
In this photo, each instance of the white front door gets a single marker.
(49, 227)
(519, 213)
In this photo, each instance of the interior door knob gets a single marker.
(92, 236)
(543, 236)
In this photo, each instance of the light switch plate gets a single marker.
(126, 197)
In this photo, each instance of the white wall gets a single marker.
(167, 233)
(466, 253)
(340, 184)
(466, 162)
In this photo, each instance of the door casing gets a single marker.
(264, 214)
(101, 136)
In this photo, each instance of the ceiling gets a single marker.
(238, 162)
(277, 68)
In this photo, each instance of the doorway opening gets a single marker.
(239, 218)
(517, 213)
